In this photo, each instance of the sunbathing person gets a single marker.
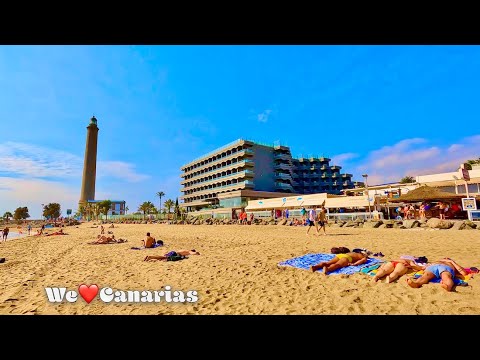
(102, 239)
(395, 269)
(445, 269)
(149, 241)
(340, 261)
(339, 250)
(111, 226)
(171, 254)
(59, 232)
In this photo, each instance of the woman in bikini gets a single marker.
(340, 261)
(397, 268)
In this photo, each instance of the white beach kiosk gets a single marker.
(263, 208)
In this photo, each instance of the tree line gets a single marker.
(50, 211)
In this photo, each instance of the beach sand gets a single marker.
(236, 272)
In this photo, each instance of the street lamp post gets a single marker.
(368, 196)
(43, 208)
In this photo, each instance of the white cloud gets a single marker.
(121, 170)
(35, 161)
(341, 158)
(264, 115)
(415, 157)
(32, 193)
(40, 162)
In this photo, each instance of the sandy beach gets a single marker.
(236, 273)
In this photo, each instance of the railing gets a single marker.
(220, 169)
(240, 173)
(240, 153)
(215, 189)
(223, 148)
(351, 216)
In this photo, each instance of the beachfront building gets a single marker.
(245, 170)
(117, 208)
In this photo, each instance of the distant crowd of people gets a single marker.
(412, 212)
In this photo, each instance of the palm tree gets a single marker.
(169, 204)
(146, 207)
(7, 216)
(160, 194)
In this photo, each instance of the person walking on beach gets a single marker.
(29, 228)
(5, 233)
(312, 220)
(322, 219)
(303, 212)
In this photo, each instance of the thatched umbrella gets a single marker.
(426, 193)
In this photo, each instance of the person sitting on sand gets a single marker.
(59, 232)
(171, 254)
(395, 269)
(111, 226)
(445, 269)
(149, 241)
(341, 261)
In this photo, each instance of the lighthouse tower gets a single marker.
(90, 163)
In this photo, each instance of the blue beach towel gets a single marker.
(304, 262)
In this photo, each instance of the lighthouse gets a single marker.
(90, 163)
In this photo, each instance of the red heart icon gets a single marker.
(88, 292)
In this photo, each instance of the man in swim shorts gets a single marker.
(340, 261)
(445, 269)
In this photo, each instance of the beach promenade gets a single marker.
(236, 273)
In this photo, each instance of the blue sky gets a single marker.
(388, 111)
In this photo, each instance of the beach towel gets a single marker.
(305, 261)
(143, 247)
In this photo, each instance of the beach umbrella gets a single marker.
(426, 193)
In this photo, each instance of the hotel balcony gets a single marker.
(220, 189)
(283, 176)
(240, 174)
(246, 162)
(280, 156)
(335, 167)
(241, 153)
(282, 167)
(325, 176)
(335, 175)
(347, 175)
(347, 183)
(284, 186)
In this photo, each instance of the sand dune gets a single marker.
(236, 272)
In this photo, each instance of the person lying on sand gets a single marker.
(102, 239)
(445, 269)
(339, 250)
(341, 261)
(395, 269)
(59, 232)
(171, 254)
